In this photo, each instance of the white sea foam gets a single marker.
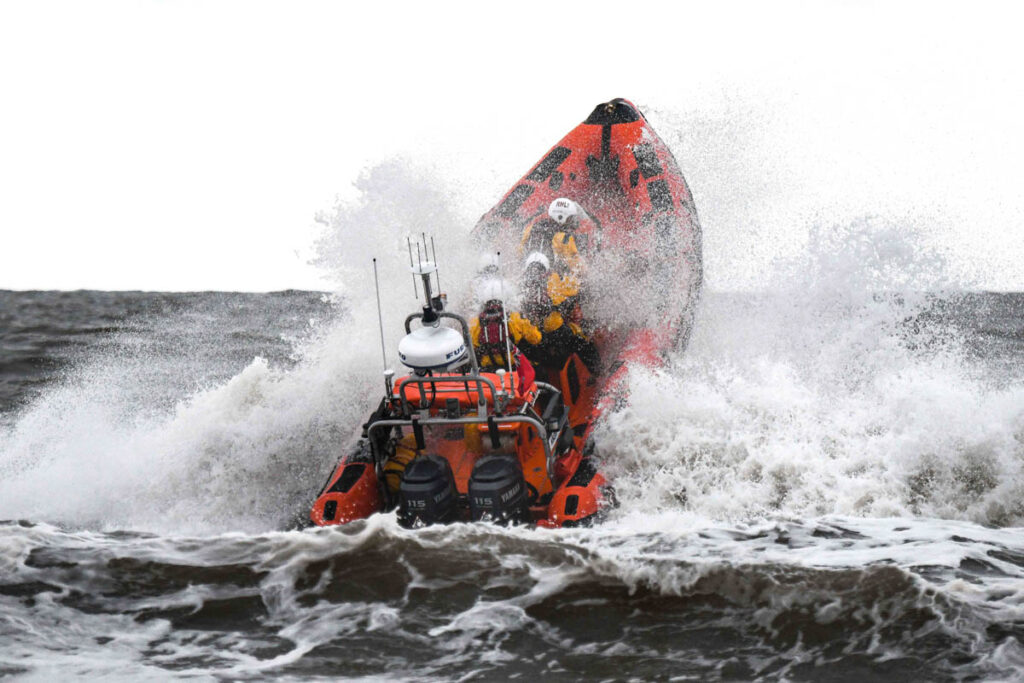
(826, 394)
(884, 583)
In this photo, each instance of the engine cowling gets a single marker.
(427, 494)
(497, 491)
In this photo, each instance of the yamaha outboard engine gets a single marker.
(427, 494)
(497, 491)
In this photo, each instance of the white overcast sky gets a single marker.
(188, 145)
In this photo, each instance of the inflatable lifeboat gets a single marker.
(450, 441)
(646, 230)
(454, 441)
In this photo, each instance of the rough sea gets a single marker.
(828, 484)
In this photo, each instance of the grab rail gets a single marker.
(455, 379)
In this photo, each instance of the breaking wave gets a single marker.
(887, 598)
(847, 387)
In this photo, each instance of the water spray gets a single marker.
(388, 373)
(415, 292)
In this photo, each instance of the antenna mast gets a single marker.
(437, 273)
(504, 313)
(415, 292)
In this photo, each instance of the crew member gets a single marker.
(561, 233)
(551, 302)
(492, 339)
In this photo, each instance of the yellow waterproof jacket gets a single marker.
(554, 321)
(563, 248)
(519, 329)
(562, 287)
(564, 279)
(563, 244)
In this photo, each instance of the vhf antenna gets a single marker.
(424, 268)
(415, 292)
(504, 313)
(437, 273)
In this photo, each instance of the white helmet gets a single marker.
(536, 257)
(562, 209)
(496, 288)
(488, 263)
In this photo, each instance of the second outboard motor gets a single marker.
(427, 494)
(497, 491)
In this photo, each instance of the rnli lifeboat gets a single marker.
(451, 441)
(645, 226)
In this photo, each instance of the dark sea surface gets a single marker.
(826, 485)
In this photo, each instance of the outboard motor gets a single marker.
(427, 494)
(497, 491)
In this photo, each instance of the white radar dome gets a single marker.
(432, 348)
